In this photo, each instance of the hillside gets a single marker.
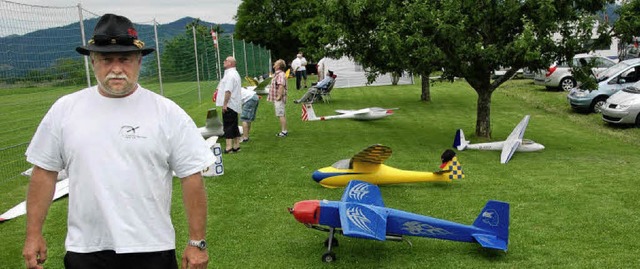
(40, 49)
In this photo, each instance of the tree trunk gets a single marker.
(483, 117)
(426, 88)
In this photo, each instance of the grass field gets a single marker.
(573, 205)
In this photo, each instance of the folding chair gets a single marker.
(324, 94)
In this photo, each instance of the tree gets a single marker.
(383, 36)
(474, 37)
(275, 24)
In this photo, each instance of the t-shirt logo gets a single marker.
(129, 132)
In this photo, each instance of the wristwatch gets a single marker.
(201, 244)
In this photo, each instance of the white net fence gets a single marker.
(38, 64)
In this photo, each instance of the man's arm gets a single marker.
(194, 197)
(39, 196)
(227, 97)
(280, 93)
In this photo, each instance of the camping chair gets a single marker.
(324, 94)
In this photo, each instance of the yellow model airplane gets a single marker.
(367, 166)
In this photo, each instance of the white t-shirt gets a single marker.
(247, 94)
(232, 83)
(119, 154)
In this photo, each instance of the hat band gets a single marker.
(117, 40)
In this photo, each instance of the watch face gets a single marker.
(202, 244)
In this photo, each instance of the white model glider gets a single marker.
(62, 189)
(370, 113)
(513, 143)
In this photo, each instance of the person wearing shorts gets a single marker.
(250, 101)
(278, 95)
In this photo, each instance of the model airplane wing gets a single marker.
(362, 192)
(361, 221)
(514, 140)
(62, 189)
(374, 154)
(359, 111)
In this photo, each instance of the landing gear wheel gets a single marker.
(334, 242)
(328, 257)
(637, 125)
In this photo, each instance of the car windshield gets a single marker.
(635, 88)
(611, 71)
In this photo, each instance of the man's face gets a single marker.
(116, 73)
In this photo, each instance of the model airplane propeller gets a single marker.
(367, 166)
(514, 142)
(361, 213)
(370, 113)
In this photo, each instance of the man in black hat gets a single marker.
(120, 144)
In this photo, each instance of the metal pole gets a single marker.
(218, 60)
(246, 70)
(155, 31)
(195, 56)
(233, 47)
(84, 43)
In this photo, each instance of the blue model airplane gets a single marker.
(361, 213)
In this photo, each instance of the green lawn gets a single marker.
(573, 205)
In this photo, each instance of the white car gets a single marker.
(559, 74)
(623, 107)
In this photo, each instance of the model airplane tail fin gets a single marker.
(459, 142)
(494, 220)
(307, 112)
(450, 165)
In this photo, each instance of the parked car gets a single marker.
(623, 107)
(559, 76)
(610, 81)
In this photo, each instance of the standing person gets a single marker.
(119, 143)
(230, 99)
(278, 95)
(320, 67)
(250, 101)
(299, 66)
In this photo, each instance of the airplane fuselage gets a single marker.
(399, 223)
(525, 146)
(378, 174)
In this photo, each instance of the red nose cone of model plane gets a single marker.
(307, 212)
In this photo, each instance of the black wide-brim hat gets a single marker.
(114, 33)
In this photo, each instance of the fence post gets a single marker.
(155, 32)
(195, 55)
(84, 43)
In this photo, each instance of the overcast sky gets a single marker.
(164, 11)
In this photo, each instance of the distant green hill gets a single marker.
(39, 49)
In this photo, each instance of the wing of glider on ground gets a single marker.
(62, 189)
(514, 140)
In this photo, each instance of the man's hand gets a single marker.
(194, 258)
(34, 252)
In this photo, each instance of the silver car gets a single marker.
(610, 81)
(559, 74)
(623, 107)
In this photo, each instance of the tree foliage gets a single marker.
(466, 38)
(278, 25)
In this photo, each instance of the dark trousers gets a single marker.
(230, 124)
(108, 259)
(299, 76)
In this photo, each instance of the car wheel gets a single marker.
(566, 84)
(598, 102)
